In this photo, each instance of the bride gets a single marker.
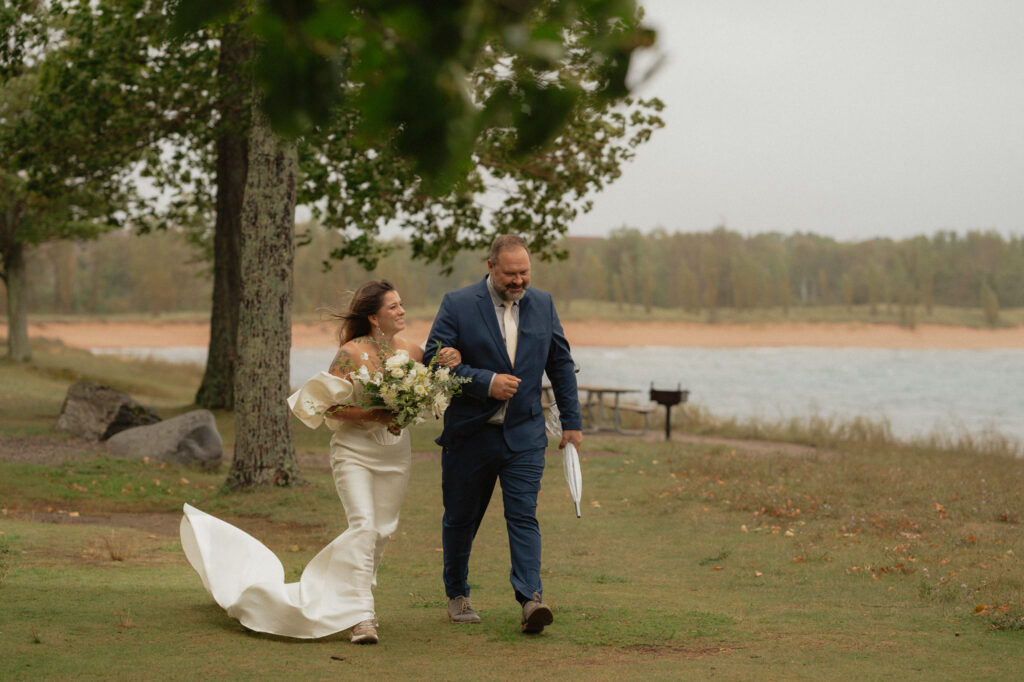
(370, 459)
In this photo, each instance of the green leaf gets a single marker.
(192, 15)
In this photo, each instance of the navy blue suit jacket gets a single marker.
(467, 321)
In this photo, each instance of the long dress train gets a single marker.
(371, 472)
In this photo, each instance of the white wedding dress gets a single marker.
(371, 472)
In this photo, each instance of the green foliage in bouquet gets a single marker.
(408, 388)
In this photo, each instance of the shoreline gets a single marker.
(582, 333)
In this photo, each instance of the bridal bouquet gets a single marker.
(408, 388)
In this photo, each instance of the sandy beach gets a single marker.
(157, 334)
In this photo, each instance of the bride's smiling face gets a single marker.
(391, 315)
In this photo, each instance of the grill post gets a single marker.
(668, 398)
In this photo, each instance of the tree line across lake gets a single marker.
(695, 272)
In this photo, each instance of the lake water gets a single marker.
(918, 391)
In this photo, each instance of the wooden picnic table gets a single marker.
(602, 407)
(599, 402)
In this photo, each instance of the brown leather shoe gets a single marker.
(364, 632)
(460, 610)
(536, 615)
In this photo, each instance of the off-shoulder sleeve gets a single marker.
(324, 390)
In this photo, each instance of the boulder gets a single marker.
(94, 411)
(128, 417)
(190, 439)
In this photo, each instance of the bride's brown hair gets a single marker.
(367, 300)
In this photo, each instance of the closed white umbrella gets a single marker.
(573, 476)
(570, 458)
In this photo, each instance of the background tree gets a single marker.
(77, 117)
(42, 197)
(689, 294)
(121, 273)
(989, 304)
(264, 453)
(597, 280)
(846, 281)
(195, 151)
(709, 273)
(408, 71)
(358, 179)
(231, 166)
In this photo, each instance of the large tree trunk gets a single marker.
(18, 347)
(217, 390)
(264, 453)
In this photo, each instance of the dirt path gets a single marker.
(55, 450)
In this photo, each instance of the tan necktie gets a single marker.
(511, 333)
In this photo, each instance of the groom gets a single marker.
(509, 336)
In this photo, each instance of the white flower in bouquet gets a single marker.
(363, 374)
(398, 364)
(408, 388)
(439, 404)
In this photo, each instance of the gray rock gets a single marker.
(94, 411)
(190, 439)
(128, 417)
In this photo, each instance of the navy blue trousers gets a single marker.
(468, 474)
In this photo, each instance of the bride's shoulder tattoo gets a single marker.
(342, 362)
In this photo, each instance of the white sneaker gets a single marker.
(365, 632)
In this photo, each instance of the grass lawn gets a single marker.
(692, 561)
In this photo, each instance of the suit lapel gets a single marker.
(524, 324)
(485, 306)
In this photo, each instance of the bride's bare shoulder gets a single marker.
(351, 356)
(414, 350)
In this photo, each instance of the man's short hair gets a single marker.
(506, 241)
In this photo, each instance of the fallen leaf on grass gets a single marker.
(982, 609)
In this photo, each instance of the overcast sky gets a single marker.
(851, 119)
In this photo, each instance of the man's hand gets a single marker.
(504, 386)
(449, 357)
(574, 437)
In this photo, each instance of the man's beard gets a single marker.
(513, 295)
